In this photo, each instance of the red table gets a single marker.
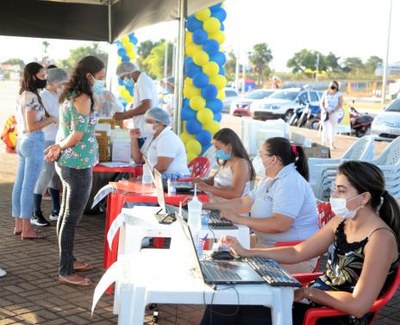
(133, 191)
(134, 170)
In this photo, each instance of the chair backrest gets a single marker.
(362, 149)
(200, 166)
(312, 315)
(324, 213)
(390, 156)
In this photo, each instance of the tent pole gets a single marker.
(179, 66)
(109, 4)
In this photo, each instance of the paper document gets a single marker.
(101, 194)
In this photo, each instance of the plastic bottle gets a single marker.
(194, 221)
(171, 185)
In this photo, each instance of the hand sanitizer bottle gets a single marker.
(194, 220)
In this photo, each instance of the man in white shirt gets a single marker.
(145, 96)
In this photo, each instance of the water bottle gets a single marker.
(194, 221)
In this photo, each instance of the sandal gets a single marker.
(17, 233)
(37, 235)
(82, 267)
(85, 282)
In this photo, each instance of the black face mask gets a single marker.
(333, 87)
(40, 84)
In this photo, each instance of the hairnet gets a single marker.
(159, 115)
(126, 67)
(56, 76)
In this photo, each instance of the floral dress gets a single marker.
(344, 266)
(85, 153)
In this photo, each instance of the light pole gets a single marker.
(385, 63)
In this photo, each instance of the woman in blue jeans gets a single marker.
(76, 152)
(31, 118)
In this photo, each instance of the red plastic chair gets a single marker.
(199, 166)
(312, 315)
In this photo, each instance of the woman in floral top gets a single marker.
(32, 118)
(76, 153)
(363, 253)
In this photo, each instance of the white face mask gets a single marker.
(148, 129)
(339, 207)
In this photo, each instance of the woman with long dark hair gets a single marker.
(32, 118)
(76, 152)
(282, 207)
(362, 242)
(232, 179)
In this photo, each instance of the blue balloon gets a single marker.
(200, 80)
(222, 28)
(187, 113)
(204, 137)
(193, 24)
(215, 105)
(199, 36)
(219, 57)
(221, 71)
(125, 58)
(192, 69)
(211, 46)
(121, 52)
(218, 117)
(219, 13)
(216, 7)
(193, 126)
(120, 82)
(209, 92)
(119, 43)
(133, 39)
(204, 149)
(186, 102)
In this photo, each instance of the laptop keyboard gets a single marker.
(221, 271)
(215, 221)
(273, 273)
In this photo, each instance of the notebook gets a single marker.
(221, 272)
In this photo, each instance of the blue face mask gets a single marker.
(128, 82)
(98, 87)
(220, 154)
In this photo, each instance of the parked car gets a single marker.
(283, 103)
(386, 125)
(241, 106)
(231, 95)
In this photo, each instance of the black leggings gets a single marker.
(259, 315)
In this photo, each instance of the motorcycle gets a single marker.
(306, 115)
(360, 123)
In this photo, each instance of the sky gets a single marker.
(348, 28)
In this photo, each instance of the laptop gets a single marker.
(221, 272)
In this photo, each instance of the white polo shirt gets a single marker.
(288, 194)
(144, 89)
(167, 144)
(50, 103)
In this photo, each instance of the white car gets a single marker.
(283, 103)
(231, 95)
(386, 125)
(241, 106)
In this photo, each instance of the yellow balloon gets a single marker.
(218, 81)
(125, 40)
(221, 94)
(211, 69)
(132, 56)
(124, 93)
(201, 58)
(211, 25)
(203, 14)
(185, 137)
(197, 103)
(188, 81)
(219, 36)
(205, 115)
(193, 146)
(129, 47)
(188, 38)
(212, 127)
(192, 49)
(121, 88)
(190, 91)
(190, 156)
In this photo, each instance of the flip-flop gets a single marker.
(84, 267)
(85, 282)
(38, 235)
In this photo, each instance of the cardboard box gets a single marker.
(317, 151)
(121, 151)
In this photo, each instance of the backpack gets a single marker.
(9, 134)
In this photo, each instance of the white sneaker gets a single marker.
(53, 216)
(2, 272)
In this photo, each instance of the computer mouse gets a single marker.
(222, 255)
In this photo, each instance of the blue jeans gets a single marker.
(30, 161)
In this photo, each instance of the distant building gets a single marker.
(393, 70)
(10, 71)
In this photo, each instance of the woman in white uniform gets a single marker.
(282, 207)
(232, 179)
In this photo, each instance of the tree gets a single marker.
(308, 62)
(353, 65)
(144, 50)
(260, 57)
(332, 62)
(79, 53)
(230, 65)
(15, 61)
(154, 61)
(372, 62)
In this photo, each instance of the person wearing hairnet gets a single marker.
(163, 148)
(48, 178)
(145, 96)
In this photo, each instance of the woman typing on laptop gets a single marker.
(363, 254)
(232, 179)
(282, 207)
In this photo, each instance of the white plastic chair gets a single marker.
(362, 149)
